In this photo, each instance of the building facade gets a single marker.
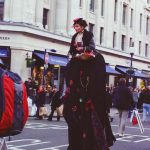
(120, 27)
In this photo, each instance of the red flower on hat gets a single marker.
(76, 19)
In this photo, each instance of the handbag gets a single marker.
(43, 111)
(33, 110)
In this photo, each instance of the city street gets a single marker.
(45, 135)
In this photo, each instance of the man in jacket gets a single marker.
(55, 103)
(123, 101)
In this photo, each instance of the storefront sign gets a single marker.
(4, 38)
(3, 52)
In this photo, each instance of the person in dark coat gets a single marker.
(55, 103)
(123, 101)
(85, 100)
(28, 85)
(40, 101)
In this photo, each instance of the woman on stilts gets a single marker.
(84, 102)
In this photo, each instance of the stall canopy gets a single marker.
(53, 59)
(111, 70)
(137, 73)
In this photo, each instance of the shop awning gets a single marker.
(53, 59)
(111, 70)
(137, 73)
(4, 52)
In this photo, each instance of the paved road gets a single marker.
(44, 135)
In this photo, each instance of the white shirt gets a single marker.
(78, 38)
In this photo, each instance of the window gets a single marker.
(140, 43)
(80, 3)
(124, 14)
(146, 50)
(102, 7)
(131, 43)
(140, 22)
(123, 42)
(115, 10)
(92, 5)
(1, 10)
(45, 17)
(131, 18)
(101, 35)
(91, 27)
(147, 25)
(114, 39)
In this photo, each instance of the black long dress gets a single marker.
(85, 106)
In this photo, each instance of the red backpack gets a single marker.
(13, 103)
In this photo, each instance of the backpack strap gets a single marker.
(14, 76)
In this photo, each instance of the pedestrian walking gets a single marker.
(123, 101)
(84, 102)
(135, 95)
(28, 85)
(55, 103)
(144, 100)
(40, 102)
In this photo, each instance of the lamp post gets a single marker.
(130, 71)
(46, 58)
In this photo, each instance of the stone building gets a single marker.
(120, 27)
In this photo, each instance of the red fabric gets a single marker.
(89, 105)
(134, 120)
(7, 118)
(25, 105)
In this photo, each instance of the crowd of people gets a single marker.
(40, 96)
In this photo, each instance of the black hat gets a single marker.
(80, 21)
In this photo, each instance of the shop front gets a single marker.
(51, 73)
(112, 76)
(135, 78)
(5, 55)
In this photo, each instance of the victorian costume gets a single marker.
(84, 102)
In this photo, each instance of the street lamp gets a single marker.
(130, 70)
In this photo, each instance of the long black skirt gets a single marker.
(85, 105)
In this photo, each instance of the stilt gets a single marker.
(3, 144)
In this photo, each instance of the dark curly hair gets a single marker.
(80, 21)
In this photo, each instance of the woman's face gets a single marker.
(78, 28)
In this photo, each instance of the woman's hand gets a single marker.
(79, 49)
